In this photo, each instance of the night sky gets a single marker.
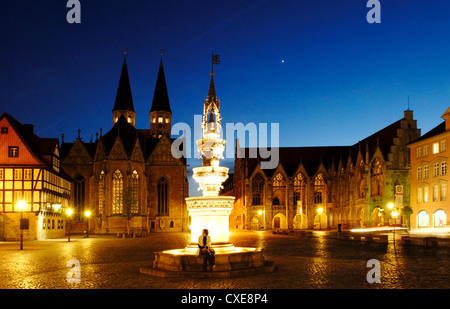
(316, 67)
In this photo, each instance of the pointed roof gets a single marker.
(124, 99)
(161, 96)
(212, 96)
(122, 130)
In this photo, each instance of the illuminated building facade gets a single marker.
(429, 177)
(128, 178)
(322, 187)
(30, 172)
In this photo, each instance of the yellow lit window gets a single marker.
(443, 145)
(160, 119)
(435, 148)
(18, 174)
(27, 173)
(425, 194)
(167, 119)
(418, 152)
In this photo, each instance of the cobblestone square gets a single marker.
(318, 262)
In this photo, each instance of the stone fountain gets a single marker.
(210, 211)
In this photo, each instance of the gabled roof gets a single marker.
(161, 96)
(439, 129)
(123, 130)
(291, 158)
(39, 147)
(124, 99)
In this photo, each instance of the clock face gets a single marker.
(399, 189)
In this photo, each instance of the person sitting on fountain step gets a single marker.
(204, 249)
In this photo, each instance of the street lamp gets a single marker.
(320, 210)
(69, 223)
(21, 205)
(87, 213)
(394, 215)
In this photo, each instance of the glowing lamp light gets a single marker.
(391, 205)
(320, 210)
(57, 207)
(87, 213)
(69, 212)
(22, 205)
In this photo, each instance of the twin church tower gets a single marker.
(128, 178)
(160, 112)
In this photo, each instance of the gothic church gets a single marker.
(128, 178)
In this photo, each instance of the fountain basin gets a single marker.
(239, 261)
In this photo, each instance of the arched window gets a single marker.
(319, 189)
(79, 196)
(440, 218)
(422, 219)
(363, 188)
(299, 189)
(377, 178)
(257, 189)
(117, 202)
(279, 190)
(135, 188)
(101, 192)
(162, 196)
(256, 199)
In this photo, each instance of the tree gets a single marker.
(129, 203)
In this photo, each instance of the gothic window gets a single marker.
(117, 204)
(256, 199)
(319, 189)
(279, 190)
(257, 189)
(78, 196)
(101, 193)
(363, 188)
(377, 178)
(135, 185)
(162, 196)
(299, 189)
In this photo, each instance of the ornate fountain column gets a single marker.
(210, 211)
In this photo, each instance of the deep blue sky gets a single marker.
(342, 78)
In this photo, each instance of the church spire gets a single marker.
(160, 112)
(161, 96)
(212, 104)
(124, 100)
